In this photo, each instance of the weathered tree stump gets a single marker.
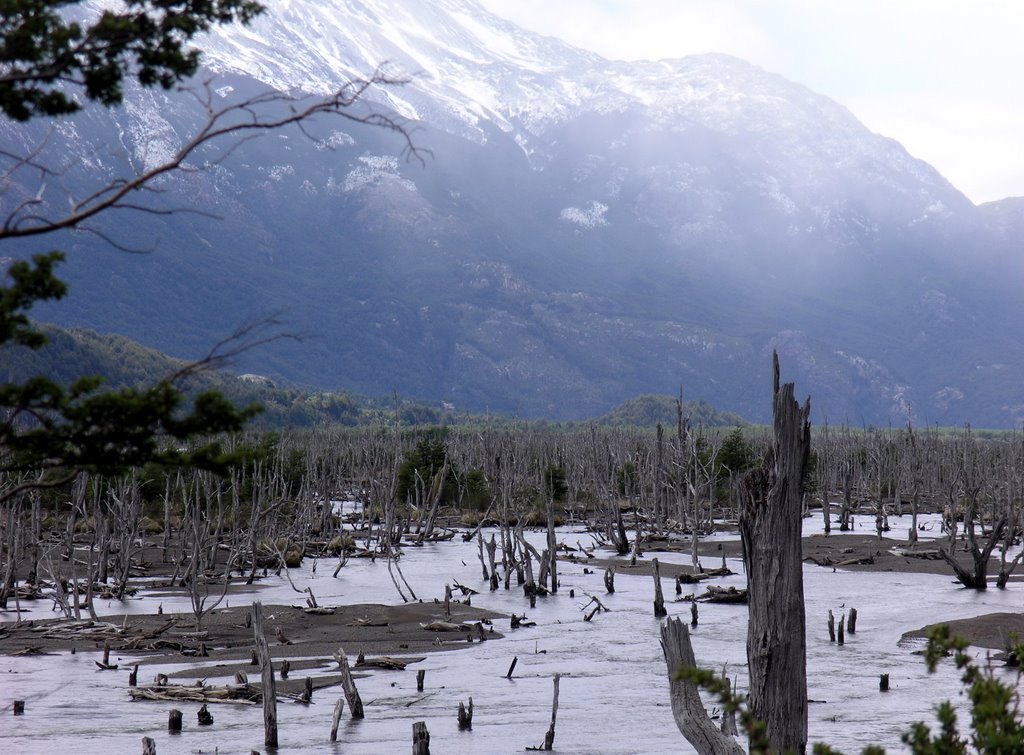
(466, 716)
(447, 601)
(133, 676)
(841, 638)
(420, 739)
(241, 678)
(148, 746)
(851, 625)
(831, 626)
(307, 691)
(609, 580)
(687, 708)
(348, 685)
(549, 737)
(19, 707)
(883, 683)
(419, 679)
(771, 517)
(336, 720)
(286, 668)
(174, 721)
(204, 716)
(659, 599)
(267, 674)
(693, 613)
(512, 666)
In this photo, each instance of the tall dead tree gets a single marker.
(770, 528)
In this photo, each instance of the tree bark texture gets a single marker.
(267, 670)
(770, 529)
(687, 707)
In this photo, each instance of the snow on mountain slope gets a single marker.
(470, 70)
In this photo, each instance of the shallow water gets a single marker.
(613, 691)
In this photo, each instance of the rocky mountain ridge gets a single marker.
(582, 231)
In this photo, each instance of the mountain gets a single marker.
(579, 231)
(71, 353)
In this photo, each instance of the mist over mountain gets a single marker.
(581, 231)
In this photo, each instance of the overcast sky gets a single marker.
(944, 77)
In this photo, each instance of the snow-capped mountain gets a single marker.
(583, 230)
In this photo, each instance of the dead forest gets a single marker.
(632, 487)
(335, 495)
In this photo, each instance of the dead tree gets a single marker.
(687, 708)
(770, 529)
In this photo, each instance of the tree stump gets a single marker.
(19, 707)
(204, 716)
(693, 613)
(687, 707)
(771, 516)
(512, 666)
(267, 674)
(609, 580)
(148, 746)
(420, 739)
(851, 625)
(348, 684)
(842, 630)
(659, 599)
(831, 626)
(466, 716)
(883, 683)
(419, 679)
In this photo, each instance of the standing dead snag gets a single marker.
(267, 670)
(770, 529)
(687, 708)
(659, 599)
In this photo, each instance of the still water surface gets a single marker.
(613, 691)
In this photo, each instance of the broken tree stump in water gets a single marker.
(771, 517)
(831, 626)
(659, 599)
(19, 707)
(286, 667)
(267, 674)
(851, 625)
(549, 737)
(609, 580)
(883, 683)
(133, 677)
(512, 666)
(693, 613)
(420, 739)
(148, 746)
(687, 708)
(466, 716)
(338, 708)
(842, 629)
(204, 716)
(348, 684)
(174, 721)
(419, 679)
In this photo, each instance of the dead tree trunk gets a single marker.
(687, 708)
(267, 669)
(770, 528)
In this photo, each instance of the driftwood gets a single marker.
(715, 594)
(687, 708)
(385, 662)
(771, 517)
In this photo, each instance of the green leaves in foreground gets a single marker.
(48, 432)
(996, 725)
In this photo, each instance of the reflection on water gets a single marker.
(614, 690)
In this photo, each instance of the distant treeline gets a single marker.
(74, 352)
